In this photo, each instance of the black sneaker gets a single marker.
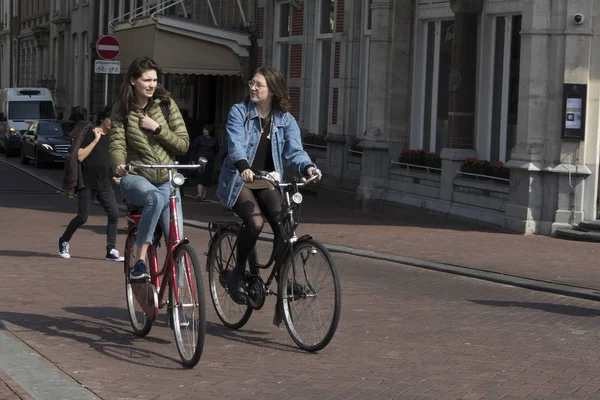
(235, 285)
(113, 255)
(63, 248)
(139, 271)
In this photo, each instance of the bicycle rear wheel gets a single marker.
(219, 262)
(311, 296)
(140, 323)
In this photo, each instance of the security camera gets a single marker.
(578, 18)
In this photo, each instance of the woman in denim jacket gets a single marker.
(261, 133)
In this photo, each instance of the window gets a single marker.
(365, 52)
(326, 16)
(85, 44)
(438, 58)
(283, 27)
(322, 66)
(505, 94)
(431, 96)
(31, 110)
(75, 46)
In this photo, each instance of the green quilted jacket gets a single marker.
(143, 146)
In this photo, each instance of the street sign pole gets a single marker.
(105, 90)
(108, 48)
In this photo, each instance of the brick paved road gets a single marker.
(405, 333)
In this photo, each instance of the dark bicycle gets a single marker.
(308, 286)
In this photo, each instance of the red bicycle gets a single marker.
(180, 276)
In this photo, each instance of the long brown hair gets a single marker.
(127, 91)
(276, 84)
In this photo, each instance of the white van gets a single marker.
(19, 108)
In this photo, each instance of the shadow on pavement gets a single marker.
(113, 341)
(27, 253)
(118, 316)
(574, 311)
(251, 337)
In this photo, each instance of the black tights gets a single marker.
(250, 206)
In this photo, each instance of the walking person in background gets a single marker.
(207, 146)
(94, 182)
(261, 135)
(76, 114)
(147, 127)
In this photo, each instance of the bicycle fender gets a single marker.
(181, 243)
(303, 238)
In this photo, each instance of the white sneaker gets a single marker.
(63, 248)
(113, 255)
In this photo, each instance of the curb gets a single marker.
(512, 280)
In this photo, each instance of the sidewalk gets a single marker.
(417, 237)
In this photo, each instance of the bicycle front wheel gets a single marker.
(140, 323)
(189, 315)
(219, 262)
(311, 296)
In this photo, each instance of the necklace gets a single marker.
(263, 126)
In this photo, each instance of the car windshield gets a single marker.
(31, 110)
(54, 128)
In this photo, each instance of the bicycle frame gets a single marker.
(167, 272)
(287, 237)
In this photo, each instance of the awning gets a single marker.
(177, 53)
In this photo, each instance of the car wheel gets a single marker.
(36, 160)
(9, 151)
(24, 160)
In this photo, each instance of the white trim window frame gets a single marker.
(489, 117)
(425, 94)
(281, 44)
(365, 52)
(316, 97)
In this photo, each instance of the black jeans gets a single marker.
(106, 198)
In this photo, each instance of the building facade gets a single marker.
(485, 109)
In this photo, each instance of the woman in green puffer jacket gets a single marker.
(143, 131)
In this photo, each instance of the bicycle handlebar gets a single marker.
(264, 176)
(201, 163)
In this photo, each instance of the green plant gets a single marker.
(476, 166)
(414, 157)
(318, 139)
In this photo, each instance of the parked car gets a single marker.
(46, 142)
(19, 108)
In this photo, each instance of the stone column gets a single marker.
(375, 158)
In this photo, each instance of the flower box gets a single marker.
(318, 139)
(432, 160)
(482, 169)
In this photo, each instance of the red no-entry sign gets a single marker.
(108, 47)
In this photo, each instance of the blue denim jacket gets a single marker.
(243, 135)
